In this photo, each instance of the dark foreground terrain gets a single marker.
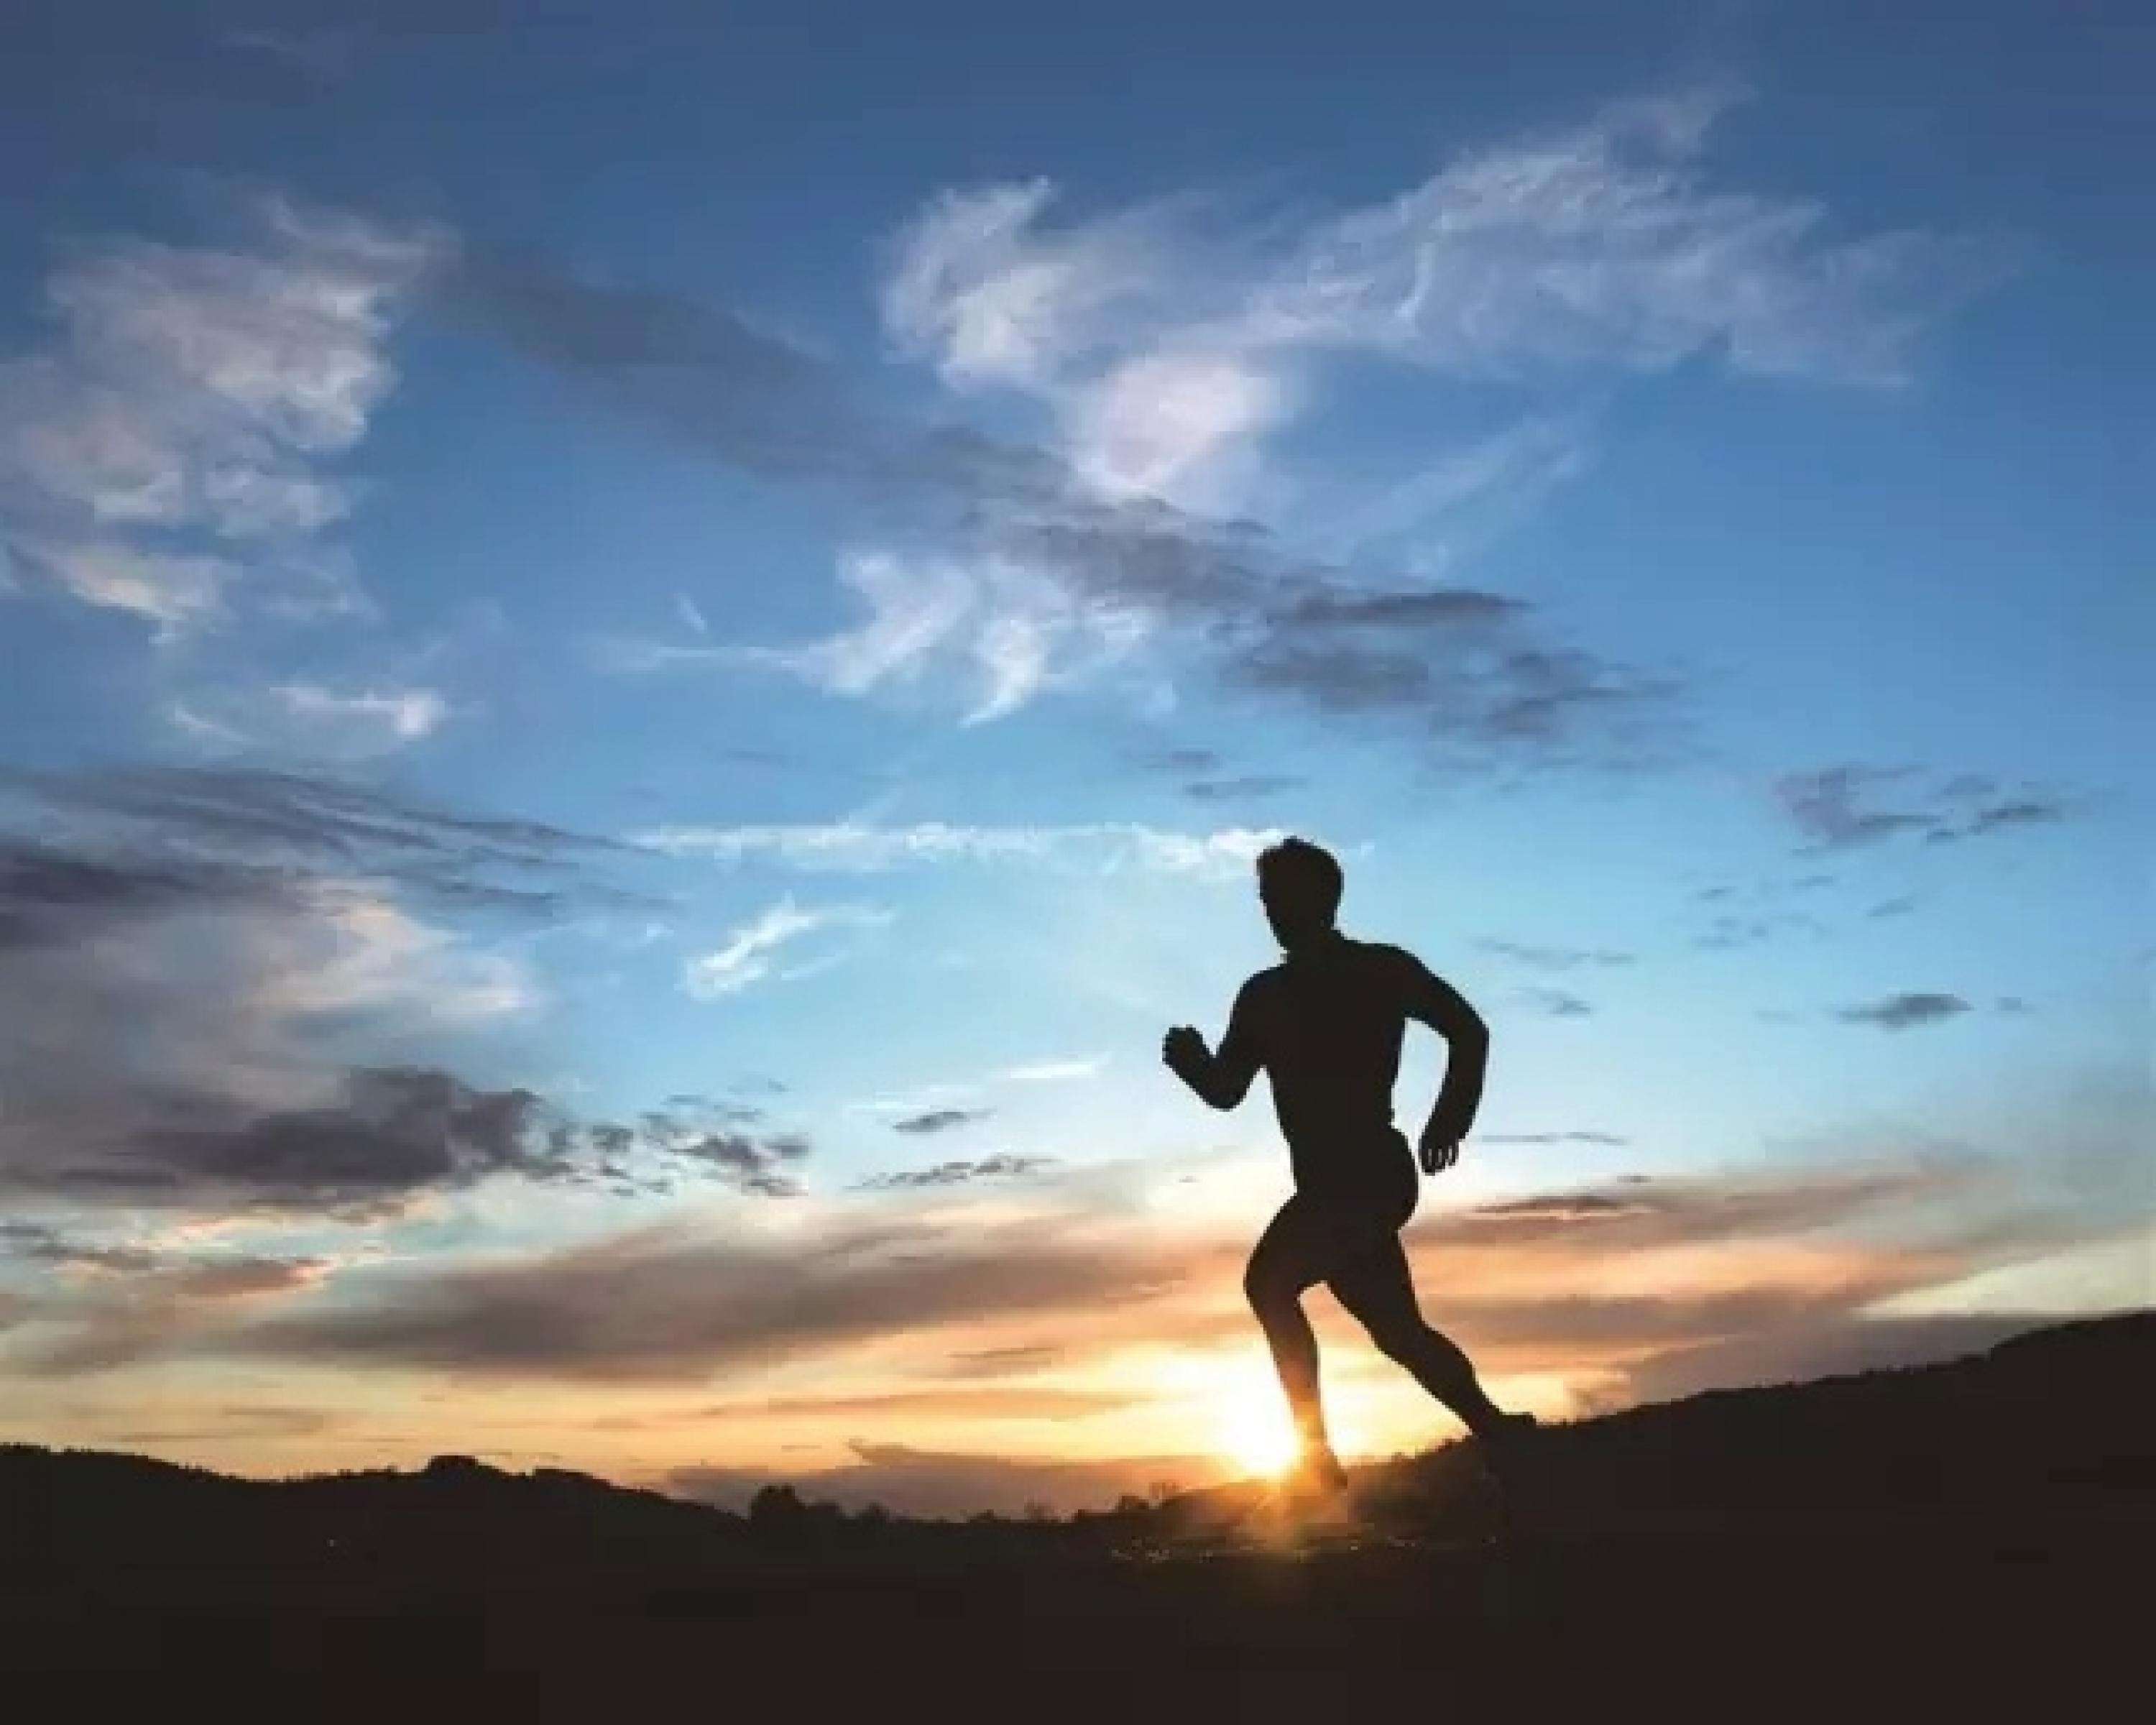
(1979, 1535)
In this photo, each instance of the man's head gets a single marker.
(1300, 883)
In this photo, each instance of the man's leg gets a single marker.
(1290, 1260)
(1376, 1285)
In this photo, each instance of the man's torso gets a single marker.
(1327, 1026)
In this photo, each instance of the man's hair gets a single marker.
(1302, 871)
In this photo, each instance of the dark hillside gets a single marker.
(1959, 1530)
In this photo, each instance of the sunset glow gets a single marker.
(647, 656)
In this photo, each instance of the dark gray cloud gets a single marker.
(197, 829)
(391, 1131)
(48, 894)
(706, 376)
(40, 1243)
(1001, 1166)
(121, 1306)
(662, 1304)
(2021, 812)
(1904, 1011)
(670, 1304)
(940, 1120)
(757, 1166)
(1845, 807)
(211, 988)
(1471, 673)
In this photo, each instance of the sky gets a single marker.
(649, 646)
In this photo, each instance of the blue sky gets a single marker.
(898, 511)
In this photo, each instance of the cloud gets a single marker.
(40, 1243)
(1557, 1003)
(974, 287)
(1608, 1286)
(754, 1165)
(399, 716)
(1730, 932)
(235, 823)
(1050, 1071)
(940, 1120)
(958, 1174)
(998, 571)
(1177, 425)
(145, 1306)
(750, 953)
(858, 847)
(935, 1099)
(203, 391)
(986, 619)
(1602, 246)
(1847, 806)
(1167, 344)
(389, 1132)
(1247, 785)
(323, 1076)
(1182, 760)
(661, 1303)
(1549, 958)
(1168, 340)
(1901, 1012)
(1611, 1140)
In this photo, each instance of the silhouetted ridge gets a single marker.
(1926, 1519)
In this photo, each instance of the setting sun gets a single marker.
(1252, 1430)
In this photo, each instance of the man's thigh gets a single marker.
(1297, 1250)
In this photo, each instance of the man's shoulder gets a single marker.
(1263, 982)
(1384, 955)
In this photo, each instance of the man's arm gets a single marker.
(1436, 1002)
(1220, 1079)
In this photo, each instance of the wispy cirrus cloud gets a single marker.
(750, 954)
(400, 714)
(1164, 345)
(1167, 341)
(990, 619)
(859, 847)
(193, 391)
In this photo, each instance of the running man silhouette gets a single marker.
(1326, 1025)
